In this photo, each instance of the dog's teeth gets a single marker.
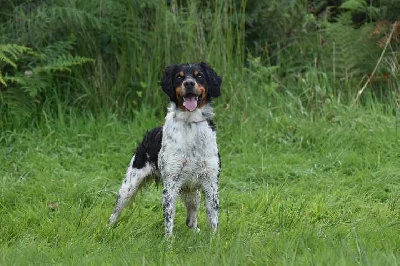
(184, 99)
(197, 97)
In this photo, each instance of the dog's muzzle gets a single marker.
(190, 97)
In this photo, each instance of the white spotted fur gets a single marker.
(188, 162)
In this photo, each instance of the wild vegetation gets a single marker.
(308, 129)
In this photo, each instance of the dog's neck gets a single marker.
(197, 116)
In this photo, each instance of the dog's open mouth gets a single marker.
(190, 101)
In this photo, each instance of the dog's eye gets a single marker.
(179, 77)
(199, 76)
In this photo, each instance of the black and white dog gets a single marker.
(183, 152)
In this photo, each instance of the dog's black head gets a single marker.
(191, 86)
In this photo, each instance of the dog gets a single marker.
(183, 153)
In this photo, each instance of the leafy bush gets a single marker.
(128, 42)
(93, 56)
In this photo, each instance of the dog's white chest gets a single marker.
(189, 151)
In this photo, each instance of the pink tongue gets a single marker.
(190, 103)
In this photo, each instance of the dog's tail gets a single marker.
(143, 166)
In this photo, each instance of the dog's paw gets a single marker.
(196, 229)
(112, 221)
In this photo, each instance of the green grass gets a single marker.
(295, 189)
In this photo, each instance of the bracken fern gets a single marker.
(9, 54)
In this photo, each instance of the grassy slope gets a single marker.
(294, 189)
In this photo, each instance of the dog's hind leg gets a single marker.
(130, 185)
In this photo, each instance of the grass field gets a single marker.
(295, 189)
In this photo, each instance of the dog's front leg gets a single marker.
(170, 195)
(210, 189)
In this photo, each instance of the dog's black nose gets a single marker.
(188, 84)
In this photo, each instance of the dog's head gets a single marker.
(191, 86)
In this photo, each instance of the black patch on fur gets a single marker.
(215, 203)
(148, 150)
(166, 205)
(212, 125)
(116, 202)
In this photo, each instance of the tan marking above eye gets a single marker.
(197, 74)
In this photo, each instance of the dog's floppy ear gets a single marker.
(213, 80)
(167, 82)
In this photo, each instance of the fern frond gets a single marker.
(63, 63)
(57, 49)
(7, 60)
(9, 53)
(32, 85)
(14, 49)
(20, 80)
(2, 81)
(354, 5)
(356, 51)
(360, 6)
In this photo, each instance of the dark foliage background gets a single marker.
(64, 56)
